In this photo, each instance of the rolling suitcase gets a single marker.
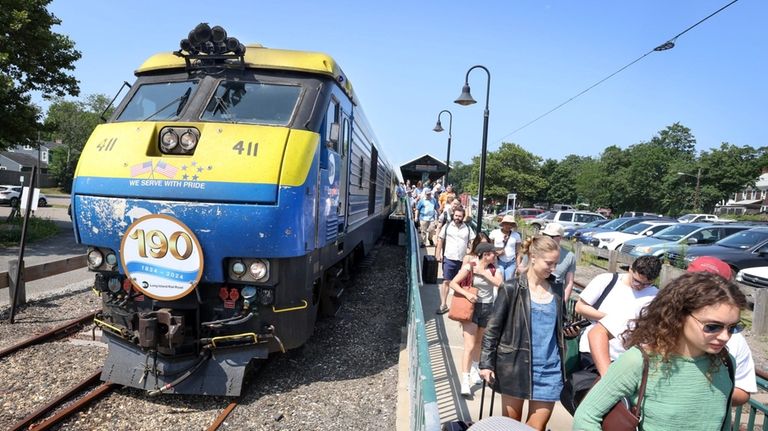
(429, 269)
(463, 426)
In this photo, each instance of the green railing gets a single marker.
(753, 407)
(421, 383)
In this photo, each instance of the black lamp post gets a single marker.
(439, 128)
(466, 99)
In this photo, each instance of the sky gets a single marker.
(407, 61)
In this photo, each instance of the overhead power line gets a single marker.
(669, 44)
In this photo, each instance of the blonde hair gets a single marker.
(538, 245)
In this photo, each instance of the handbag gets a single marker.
(622, 417)
(461, 309)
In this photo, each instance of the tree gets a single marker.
(460, 176)
(726, 170)
(32, 58)
(512, 169)
(72, 122)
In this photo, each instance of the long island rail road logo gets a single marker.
(162, 257)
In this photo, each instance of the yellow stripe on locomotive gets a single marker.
(237, 153)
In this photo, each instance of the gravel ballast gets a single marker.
(345, 377)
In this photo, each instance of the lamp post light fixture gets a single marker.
(697, 193)
(439, 128)
(465, 99)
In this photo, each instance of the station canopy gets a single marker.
(423, 167)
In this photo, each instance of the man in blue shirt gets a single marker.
(426, 214)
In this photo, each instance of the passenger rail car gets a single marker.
(220, 203)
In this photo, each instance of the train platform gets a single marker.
(446, 347)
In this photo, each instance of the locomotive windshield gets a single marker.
(163, 101)
(253, 102)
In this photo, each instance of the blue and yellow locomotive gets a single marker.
(220, 204)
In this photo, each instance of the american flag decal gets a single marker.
(166, 169)
(141, 168)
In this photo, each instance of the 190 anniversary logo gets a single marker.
(162, 257)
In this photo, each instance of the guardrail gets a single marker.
(424, 413)
(43, 270)
(753, 407)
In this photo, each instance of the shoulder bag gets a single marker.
(461, 309)
(622, 417)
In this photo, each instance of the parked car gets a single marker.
(575, 232)
(639, 214)
(562, 207)
(525, 214)
(678, 237)
(614, 225)
(614, 240)
(12, 194)
(744, 249)
(756, 276)
(698, 218)
(566, 218)
(528, 214)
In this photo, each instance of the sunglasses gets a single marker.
(716, 328)
(638, 283)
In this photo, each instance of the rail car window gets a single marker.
(253, 102)
(161, 101)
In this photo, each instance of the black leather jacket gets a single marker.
(507, 340)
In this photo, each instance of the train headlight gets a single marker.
(259, 270)
(169, 140)
(95, 258)
(111, 259)
(238, 268)
(188, 140)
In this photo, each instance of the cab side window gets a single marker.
(333, 116)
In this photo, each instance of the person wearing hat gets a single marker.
(426, 213)
(566, 266)
(507, 241)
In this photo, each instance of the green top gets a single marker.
(678, 395)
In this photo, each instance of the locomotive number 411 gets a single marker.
(250, 150)
(158, 244)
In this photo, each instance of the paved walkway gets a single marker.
(445, 350)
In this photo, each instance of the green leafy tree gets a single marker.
(460, 176)
(512, 169)
(726, 170)
(72, 122)
(32, 58)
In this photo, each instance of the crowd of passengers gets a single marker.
(685, 338)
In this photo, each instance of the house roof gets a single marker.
(22, 159)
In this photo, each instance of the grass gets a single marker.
(53, 191)
(37, 229)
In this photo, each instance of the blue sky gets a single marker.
(407, 61)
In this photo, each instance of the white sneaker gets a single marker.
(465, 386)
(474, 375)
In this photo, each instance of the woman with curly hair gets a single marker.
(683, 331)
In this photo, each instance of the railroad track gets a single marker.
(83, 396)
(63, 330)
(29, 422)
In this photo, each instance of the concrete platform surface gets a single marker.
(446, 347)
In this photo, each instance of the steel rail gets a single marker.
(223, 415)
(27, 422)
(59, 331)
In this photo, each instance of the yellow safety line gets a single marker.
(283, 310)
